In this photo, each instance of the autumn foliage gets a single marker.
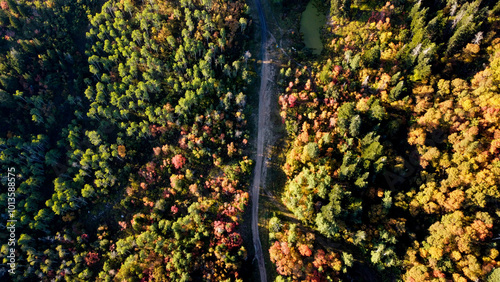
(393, 141)
(125, 123)
(178, 161)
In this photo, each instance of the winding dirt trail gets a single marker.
(263, 132)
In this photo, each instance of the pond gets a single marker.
(311, 22)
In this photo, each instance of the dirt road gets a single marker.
(262, 132)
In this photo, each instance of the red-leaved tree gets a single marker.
(178, 161)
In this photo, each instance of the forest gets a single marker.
(393, 162)
(126, 141)
(125, 124)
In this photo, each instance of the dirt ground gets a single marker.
(264, 125)
(271, 51)
(263, 132)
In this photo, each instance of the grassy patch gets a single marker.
(248, 268)
(267, 210)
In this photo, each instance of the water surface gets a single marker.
(310, 25)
